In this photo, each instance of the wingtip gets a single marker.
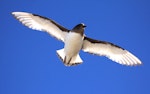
(134, 65)
(15, 12)
(139, 64)
(18, 12)
(12, 13)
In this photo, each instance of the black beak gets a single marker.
(84, 26)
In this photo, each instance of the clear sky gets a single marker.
(28, 60)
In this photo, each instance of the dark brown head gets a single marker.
(79, 28)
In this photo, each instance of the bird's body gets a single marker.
(75, 40)
(71, 47)
(73, 44)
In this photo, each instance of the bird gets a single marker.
(75, 40)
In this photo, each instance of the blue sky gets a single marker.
(28, 60)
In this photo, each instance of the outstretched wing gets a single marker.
(111, 51)
(40, 23)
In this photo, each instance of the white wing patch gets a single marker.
(111, 51)
(40, 23)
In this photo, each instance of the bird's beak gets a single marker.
(84, 26)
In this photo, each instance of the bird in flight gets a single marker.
(75, 40)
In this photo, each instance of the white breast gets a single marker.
(73, 43)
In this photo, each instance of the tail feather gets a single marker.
(69, 61)
(61, 54)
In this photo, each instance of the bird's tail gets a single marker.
(69, 61)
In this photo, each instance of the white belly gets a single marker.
(73, 44)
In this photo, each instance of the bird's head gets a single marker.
(79, 28)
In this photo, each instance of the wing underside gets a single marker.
(40, 23)
(112, 51)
